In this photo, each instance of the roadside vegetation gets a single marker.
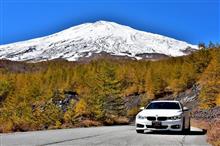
(58, 94)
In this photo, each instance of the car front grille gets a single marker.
(151, 118)
(161, 118)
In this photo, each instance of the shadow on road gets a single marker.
(192, 132)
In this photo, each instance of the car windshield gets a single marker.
(163, 105)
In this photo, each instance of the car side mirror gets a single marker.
(141, 108)
(185, 108)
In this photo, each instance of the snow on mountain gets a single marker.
(87, 39)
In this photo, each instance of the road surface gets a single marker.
(107, 136)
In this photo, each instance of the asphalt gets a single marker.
(104, 136)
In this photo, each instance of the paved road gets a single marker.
(109, 136)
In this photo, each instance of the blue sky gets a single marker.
(193, 21)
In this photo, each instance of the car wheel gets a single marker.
(140, 131)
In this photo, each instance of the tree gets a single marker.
(202, 45)
(210, 81)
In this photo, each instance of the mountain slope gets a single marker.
(85, 40)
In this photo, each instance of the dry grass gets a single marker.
(213, 129)
(88, 123)
(116, 120)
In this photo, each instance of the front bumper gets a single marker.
(170, 125)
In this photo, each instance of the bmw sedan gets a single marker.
(163, 115)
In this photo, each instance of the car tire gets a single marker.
(140, 131)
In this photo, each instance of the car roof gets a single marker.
(166, 101)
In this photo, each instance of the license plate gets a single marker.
(156, 123)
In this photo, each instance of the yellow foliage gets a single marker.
(7, 126)
(132, 112)
(34, 94)
(218, 100)
(80, 108)
(58, 124)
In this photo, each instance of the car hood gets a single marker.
(159, 112)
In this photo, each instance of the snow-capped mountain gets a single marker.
(89, 39)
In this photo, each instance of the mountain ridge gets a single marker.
(83, 41)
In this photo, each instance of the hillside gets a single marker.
(59, 94)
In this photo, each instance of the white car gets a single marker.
(163, 115)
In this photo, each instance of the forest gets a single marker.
(61, 94)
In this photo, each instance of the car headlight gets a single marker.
(140, 117)
(175, 117)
